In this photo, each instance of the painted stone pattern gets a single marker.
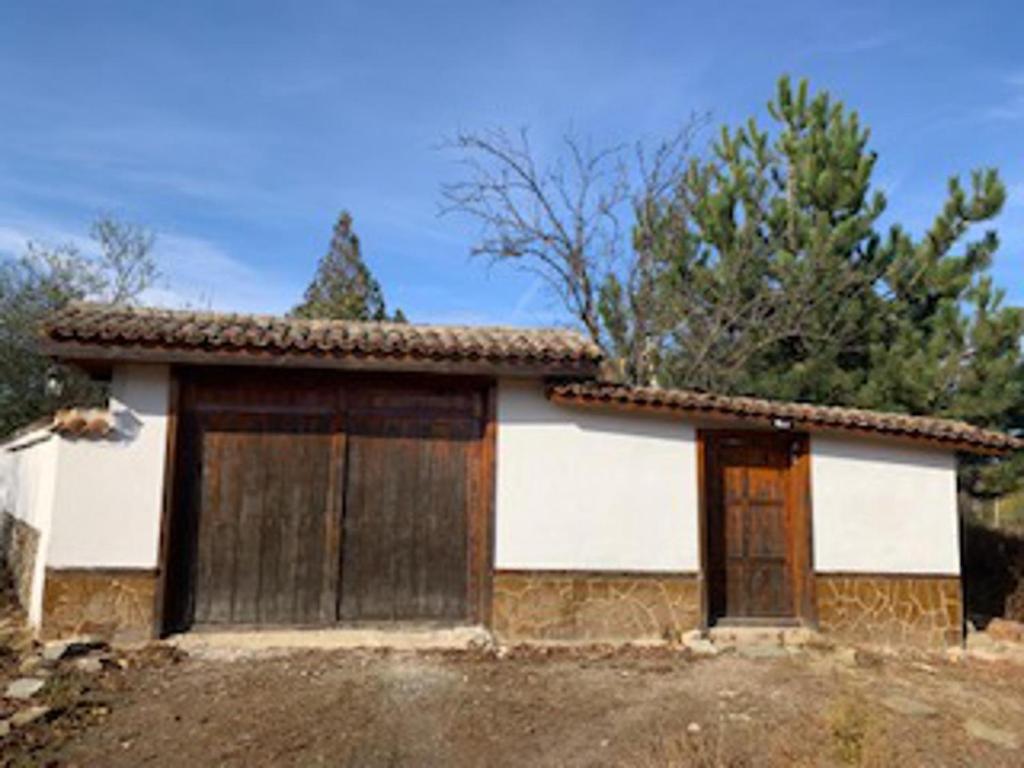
(110, 603)
(20, 543)
(896, 610)
(594, 606)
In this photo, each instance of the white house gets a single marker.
(260, 471)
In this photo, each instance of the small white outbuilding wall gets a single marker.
(28, 468)
(883, 507)
(96, 503)
(584, 489)
(109, 493)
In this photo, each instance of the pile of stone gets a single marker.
(26, 694)
(1006, 631)
(1001, 640)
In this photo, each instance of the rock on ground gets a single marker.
(71, 647)
(23, 717)
(1005, 630)
(910, 707)
(985, 732)
(24, 688)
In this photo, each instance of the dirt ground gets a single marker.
(641, 707)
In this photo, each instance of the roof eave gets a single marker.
(727, 418)
(100, 356)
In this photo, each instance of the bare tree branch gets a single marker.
(563, 220)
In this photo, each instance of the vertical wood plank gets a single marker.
(252, 449)
(166, 589)
(331, 564)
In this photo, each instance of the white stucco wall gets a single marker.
(108, 496)
(28, 467)
(584, 490)
(883, 507)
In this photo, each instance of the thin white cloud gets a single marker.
(1010, 109)
(1015, 195)
(195, 272)
(841, 46)
(15, 237)
(199, 273)
(13, 241)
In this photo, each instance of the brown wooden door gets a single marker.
(305, 498)
(754, 557)
(408, 500)
(264, 530)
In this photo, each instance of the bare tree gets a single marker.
(558, 222)
(564, 221)
(126, 266)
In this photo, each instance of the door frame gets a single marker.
(800, 511)
(480, 515)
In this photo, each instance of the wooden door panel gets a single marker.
(750, 531)
(263, 518)
(766, 531)
(406, 509)
(766, 590)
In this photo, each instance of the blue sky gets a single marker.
(238, 130)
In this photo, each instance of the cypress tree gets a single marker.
(343, 287)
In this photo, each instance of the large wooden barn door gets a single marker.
(308, 499)
(407, 504)
(757, 535)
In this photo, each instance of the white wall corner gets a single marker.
(109, 493)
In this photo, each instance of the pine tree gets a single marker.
(948, 345)
(343, 287)
(781, 285)
(774, 256)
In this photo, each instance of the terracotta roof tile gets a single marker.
(83, 422)
(957, 434)
(153, 331)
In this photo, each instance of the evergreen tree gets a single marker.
(948, 345)
(784, 287)
(774, 257)
(343, 287)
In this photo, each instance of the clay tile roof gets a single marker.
(81, 330)
(956, 434)
(83, 422)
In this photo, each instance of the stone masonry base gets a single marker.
(585, 606)
(593, 606)
(884, 609)
(113, 603)
(19, 545)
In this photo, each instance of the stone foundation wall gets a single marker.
(888, 609)
(19, 546)
(593, 606)
(115, 603)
